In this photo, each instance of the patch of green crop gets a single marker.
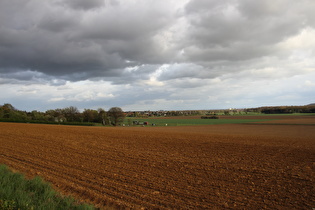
(16, 192)
(184, 122)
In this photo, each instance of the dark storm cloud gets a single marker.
(79, 39)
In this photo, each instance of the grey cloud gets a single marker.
(221, 30)
(185, 70)
(83, 4)
(55, 22)
(76, 44)
(27, 77)
(77, 40)
(127, 22)
(188, 83)
(133, 75)
(130, 31)
(23, 75)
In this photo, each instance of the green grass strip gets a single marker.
(185, 122)
(16, 192)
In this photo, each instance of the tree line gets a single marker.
(284, 109)
(115, 115)
(69, 115)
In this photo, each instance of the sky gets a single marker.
(156, 55)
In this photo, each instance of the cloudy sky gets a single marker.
(156, 55)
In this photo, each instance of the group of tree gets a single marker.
(69, 115)
(284, 109)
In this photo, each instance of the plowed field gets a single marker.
(196, 167)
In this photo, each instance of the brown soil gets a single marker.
(293, 121)
(196, 167)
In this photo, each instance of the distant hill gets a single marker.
(312, 104)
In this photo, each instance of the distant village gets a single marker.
(164, 113)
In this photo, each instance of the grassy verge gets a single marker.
(16, 192)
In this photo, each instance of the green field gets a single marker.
(183, 122)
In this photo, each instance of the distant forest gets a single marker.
(285, 109)
(72, 116)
